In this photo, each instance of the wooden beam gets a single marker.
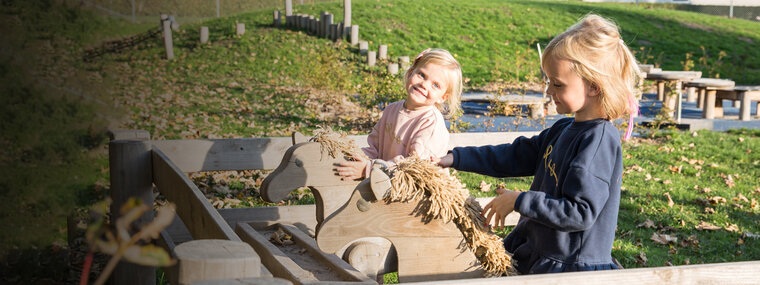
(330, 260)
(301, 216)
(745, 272)
(202, 220)
(266, 153)
(279, 264)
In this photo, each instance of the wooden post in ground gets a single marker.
(382, 52)
(346, 16)
(204, 34)
(393, 68)
(354, 34)
(403, 62)
(322, 21)
(164, 17)
(328, 22)
(288, 7)
(371, 58)
(304, 20)
(363, 47)
(214, 259)
(277, 18)
(131, 176)
(334, 32)
(240, 29)
(168, 40)
(339, 34)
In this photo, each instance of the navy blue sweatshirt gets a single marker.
(568, 217)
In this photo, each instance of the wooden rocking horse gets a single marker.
(353, 222)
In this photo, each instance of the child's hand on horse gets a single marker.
(352, 170)
(444, 161)
(500, 207)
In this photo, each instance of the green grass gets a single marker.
(496, 40)
(270, 82)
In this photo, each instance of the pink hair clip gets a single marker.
(421, 54)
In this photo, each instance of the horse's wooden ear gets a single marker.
(298, 138)
(379, 181)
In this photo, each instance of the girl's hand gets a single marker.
(444, 161)
(500, 207)
(351, 170)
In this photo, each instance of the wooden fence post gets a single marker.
(393, 68)
(363, 47)
(346, 16)
(371, 57)
(403, 62)
(382, 52)
(204, 34)
(277, 18)
(334, 32)
(329, 21)
(288, 7)
(168, 40)
(321, 27)
(354, 34)
(240, 29)
(312, 24)
(131, 176)
(339, 33)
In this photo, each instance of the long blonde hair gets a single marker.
(599, 56)
(454, 91)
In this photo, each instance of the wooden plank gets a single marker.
(266, 153)
(275, 260)
(301, 216)
(331, 260)
(745, 272)
(202, 220)
(225, 154)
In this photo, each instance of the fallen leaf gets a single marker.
(641, 258)
(740, 241)
(741, 139)
(667, 263)
(731, 227)
(667, 181)
(647, 224)
(709, 210)
(742, 198)
(707, 226)
(670, 201)
(485, 187)
(663, 238)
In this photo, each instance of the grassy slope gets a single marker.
(275, 77)
(496, 40)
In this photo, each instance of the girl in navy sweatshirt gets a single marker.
(568, 217)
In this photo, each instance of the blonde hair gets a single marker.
(599, 56)
(454, 89)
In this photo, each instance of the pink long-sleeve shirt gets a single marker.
(401, 132)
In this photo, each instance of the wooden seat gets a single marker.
(743, 93)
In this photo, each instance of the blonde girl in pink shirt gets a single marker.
(414, 125)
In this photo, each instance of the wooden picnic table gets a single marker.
(697, 88)
(743, 93)
(672, 76)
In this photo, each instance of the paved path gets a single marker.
(474, 114)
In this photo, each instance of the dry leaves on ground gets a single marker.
(663, 238)
(707, 226)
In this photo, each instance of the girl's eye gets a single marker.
(436, 86)
(422, 75)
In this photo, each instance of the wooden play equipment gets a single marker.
(138, 163)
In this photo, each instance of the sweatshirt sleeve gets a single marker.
(520, 158)
(373, 140)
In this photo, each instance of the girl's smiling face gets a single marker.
(570, 92)
(427, 86)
